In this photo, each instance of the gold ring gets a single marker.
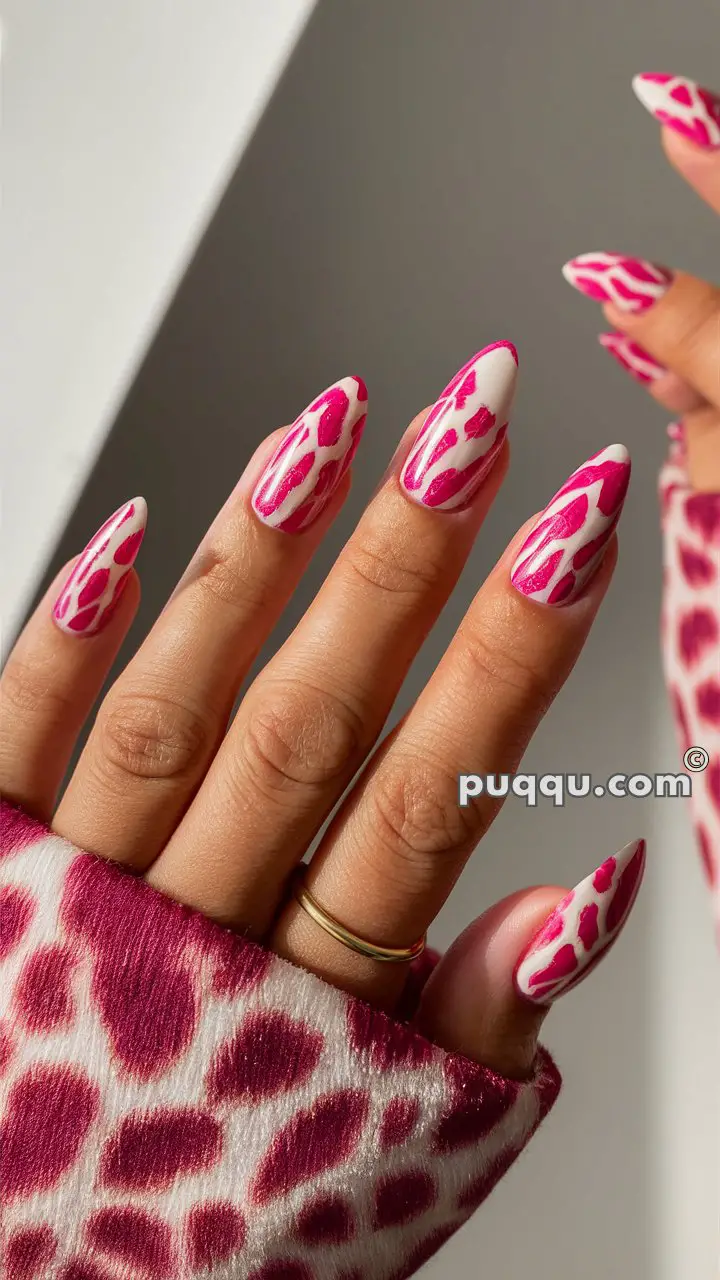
(389, 955)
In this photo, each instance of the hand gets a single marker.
(666, 324)
(218, 815)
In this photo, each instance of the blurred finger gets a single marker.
(690, 116)
(668, 388)
(672, 320)
(701, 432)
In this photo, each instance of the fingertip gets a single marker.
(622, 320)
(684, 154)
(675, 394)
(698, 166)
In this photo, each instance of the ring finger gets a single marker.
(401, 833)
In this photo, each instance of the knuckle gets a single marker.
(399, 570)
(230, 575)
(415, 815)
(29, 687)
(300, 736)
(153, 737)
(699, 326)
(508, 668)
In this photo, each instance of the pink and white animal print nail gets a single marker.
(312, 458)
(463, 432)
(566, 545)
(683, 105)
(582, 928)
(631, 284)
(88, 598)
(638, 362)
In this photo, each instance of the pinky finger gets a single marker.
(59, 663)
(488, 996)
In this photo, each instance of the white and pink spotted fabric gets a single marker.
(691, 642)
(177, 1102)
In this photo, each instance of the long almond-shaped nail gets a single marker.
(463, 432)
(582, 928)
(566, 545)
(312, 458)
(683, 105)
(631, 284)
(86, 602)
(638, 362)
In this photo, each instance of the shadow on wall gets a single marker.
(408, 197)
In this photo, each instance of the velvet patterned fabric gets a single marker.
(175, 1101)
(691, 645)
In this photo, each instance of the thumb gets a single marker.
(488, 996)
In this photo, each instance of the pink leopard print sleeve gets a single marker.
(175, 1101)
(690, 628)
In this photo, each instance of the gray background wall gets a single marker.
(423, 170)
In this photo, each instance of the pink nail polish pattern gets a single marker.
(86, 602)
(638, 362)
(312, 457)
(463, 432)
(683, 105)
(566, 546)
(582, 928)
(631, 284)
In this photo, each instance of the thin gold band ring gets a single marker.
(388, 955)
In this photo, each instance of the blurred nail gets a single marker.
(682, 105)
(565, 547)
(87, 600)
(463, 432)
(312, 458)
(677, 447)
(582, 928)
(631, 284)
(638, 362)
